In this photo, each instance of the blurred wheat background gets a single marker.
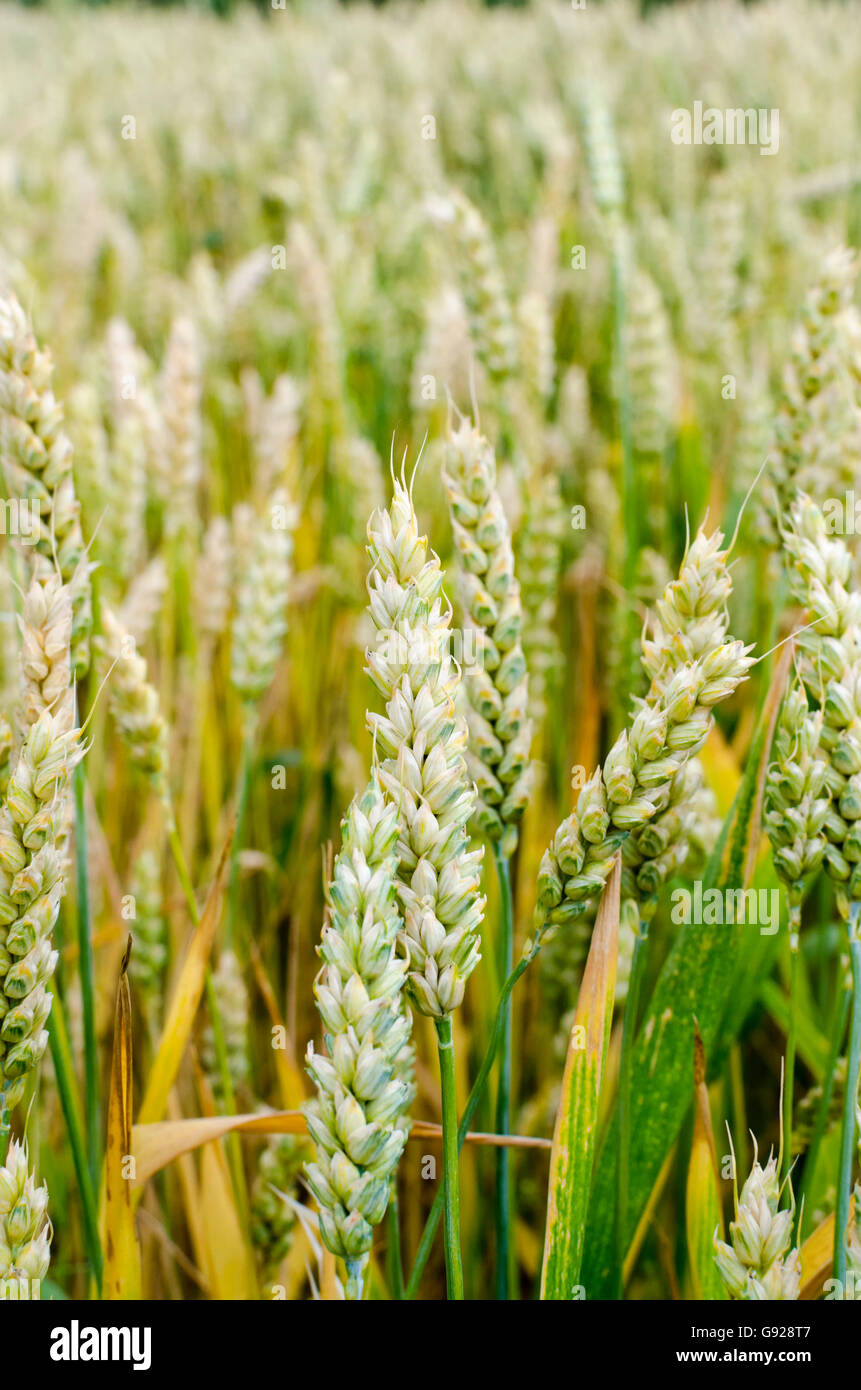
(266, 255)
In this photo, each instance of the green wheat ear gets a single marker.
(423, 741)
(500, 730)
(364, 1080)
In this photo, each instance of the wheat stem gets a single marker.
(243, 784)
(789, 1080)
(86, 970)
(838, 1032)
(450, 1150)
(475, 1095)
(503, 1095)
(847, 1138)
(629, 1032)
(67, 1087)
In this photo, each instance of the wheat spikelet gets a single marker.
(31, 886)
(213, 579)
(232, 1001)
(143, 600)
(482, 285)
(37, 457)
(811, 414)
(149, 957)
(134, 702)
(364, 1085)
(423, 742)
(692, 665)
(602, 154)
(759, 1264)
(444, 357)
(500, 731)
(181, 393)
(829, 662)
(46, 626)
(796, 798)
(536, 348)
(25, 1231)
(260, 621)
(539, 561)
(651, 368)
(273, 1219)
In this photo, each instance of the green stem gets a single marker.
(5, 1133)
(65, 1074)
(450, 1150)
(394, 1254)
(503, 1095)
(86, 970)
(629, 1029)
(838, 1032)
(475, 1095)
(847, 1138)
(789, 1077)
(249, 723)
(181, 866)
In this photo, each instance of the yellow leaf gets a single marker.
(290, 1078)
(228, 1261)
(702, 1207)
(722, 772)
(156, 1145)
(184, 1004)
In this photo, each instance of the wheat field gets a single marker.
(430, 735)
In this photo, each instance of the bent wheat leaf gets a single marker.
(698, 977)
(228, 1259)
(185, 1001)
(122, 1268)
(575, 1136)
(156, 1145)
(702, 1205)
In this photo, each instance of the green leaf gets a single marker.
(698, 979)
(574, 1139)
